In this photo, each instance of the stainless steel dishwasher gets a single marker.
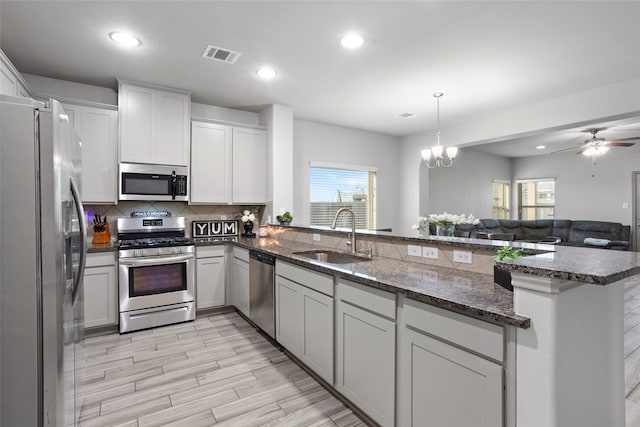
(261, 291)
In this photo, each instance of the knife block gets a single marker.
(102, 236)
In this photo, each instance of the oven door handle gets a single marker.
(156, 260)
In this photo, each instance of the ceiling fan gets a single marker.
(596, 146)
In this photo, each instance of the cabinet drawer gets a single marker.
(209, 251)
(309, 278)
(476, 335)
(101, 259)
(372, 299)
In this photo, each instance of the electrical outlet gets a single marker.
(430, 252)
(625, 205)
(413, 250)
(316, 237)
(223, 217)
(463, 257)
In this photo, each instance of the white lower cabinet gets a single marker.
(304, 316)
(240, 280)
(448, 384)
(210, 277)
(366, 348)
(100, 290)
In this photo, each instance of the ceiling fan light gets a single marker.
(437, 151)
(595, 151)
(452, 152)
(426, 155)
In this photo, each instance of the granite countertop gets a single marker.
(472, 294)
(580, 264)
(587, 265)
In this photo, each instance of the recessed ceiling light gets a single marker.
(541, 147)
(406, 115)
(266, 72)
(352, 41)
(125, 39)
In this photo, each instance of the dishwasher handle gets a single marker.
(262, 257)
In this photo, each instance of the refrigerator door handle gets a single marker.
(83, 236)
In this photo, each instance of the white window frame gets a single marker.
(535, 206)
(372, 186)
(507, 207)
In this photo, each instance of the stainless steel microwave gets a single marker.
(153, 182)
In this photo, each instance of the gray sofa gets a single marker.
(560, 231)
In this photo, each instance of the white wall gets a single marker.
(413, 192)
(317, 142)
(579, 195)
(278, 119)
(466, 187)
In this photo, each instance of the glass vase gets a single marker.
(445, 230)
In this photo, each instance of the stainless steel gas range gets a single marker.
(156, 276)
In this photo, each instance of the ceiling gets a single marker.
(562, 140)
(483, 55)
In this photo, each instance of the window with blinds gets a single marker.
(335, 187)
(501, 201)
(536, 198)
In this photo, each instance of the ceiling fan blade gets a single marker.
(619, 144)
(633, 138)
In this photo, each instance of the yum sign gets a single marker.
(214, 228)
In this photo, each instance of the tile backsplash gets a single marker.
(190, 212)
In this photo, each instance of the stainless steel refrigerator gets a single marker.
(43, 252)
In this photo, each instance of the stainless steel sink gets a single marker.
(332, 257)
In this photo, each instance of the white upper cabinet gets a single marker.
(11, 82)
(174, 116)
(228, 164)
(210, 163)
(154, 125)
(98, 131)
(249, 164)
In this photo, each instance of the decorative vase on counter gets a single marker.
(248, 229)
(446, 230)
(284, 221)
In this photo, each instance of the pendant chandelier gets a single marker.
(437, 156)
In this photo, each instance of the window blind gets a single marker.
(335, 188)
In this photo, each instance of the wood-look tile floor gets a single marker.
(219, 371)
(216, 370)
(632, 352)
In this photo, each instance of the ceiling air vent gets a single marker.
(220, 54)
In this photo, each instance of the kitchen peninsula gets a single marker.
(563, 324)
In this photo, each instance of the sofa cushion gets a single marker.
(489, 226)
(466, 230)
(536, 230)
(512, 226)
(581, 230)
